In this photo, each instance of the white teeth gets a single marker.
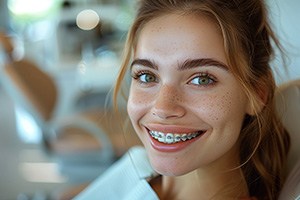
(161, 137)
(169, 138)
(177, 138)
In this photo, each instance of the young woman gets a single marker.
(201, 101)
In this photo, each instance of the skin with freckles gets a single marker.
(181, 84)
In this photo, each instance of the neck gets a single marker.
(218, 180)
(196, 185)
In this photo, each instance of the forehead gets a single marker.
(180, 36)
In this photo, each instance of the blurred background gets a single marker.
(59, 60)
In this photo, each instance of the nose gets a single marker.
(168, 103)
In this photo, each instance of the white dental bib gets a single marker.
(126, 179)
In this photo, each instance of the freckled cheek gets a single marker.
(138, 104)
(214, 107)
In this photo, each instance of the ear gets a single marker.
(257, 101)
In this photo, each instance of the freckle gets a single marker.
(178, 99)
(174, 98)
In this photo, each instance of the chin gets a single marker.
(168, 167)
(170, 172)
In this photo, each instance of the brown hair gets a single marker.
(247, 34)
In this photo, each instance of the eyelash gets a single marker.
(212, 80)
(137, 75)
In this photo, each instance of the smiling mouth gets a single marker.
(171, 138)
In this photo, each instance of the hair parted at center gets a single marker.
(248, 38)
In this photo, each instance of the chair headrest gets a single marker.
(288, 106)
(35, 85)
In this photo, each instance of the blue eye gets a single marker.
(147, 78)
(144, 77)
(202, 80)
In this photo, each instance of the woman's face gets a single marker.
(184, 103)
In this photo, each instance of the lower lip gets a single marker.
(162, 147)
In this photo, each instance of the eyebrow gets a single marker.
(192, 63)
(188, 64)
(144, 62)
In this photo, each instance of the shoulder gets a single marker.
(125, 179)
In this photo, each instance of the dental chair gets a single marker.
(83, 144)
(35, 92)
(288, 106)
